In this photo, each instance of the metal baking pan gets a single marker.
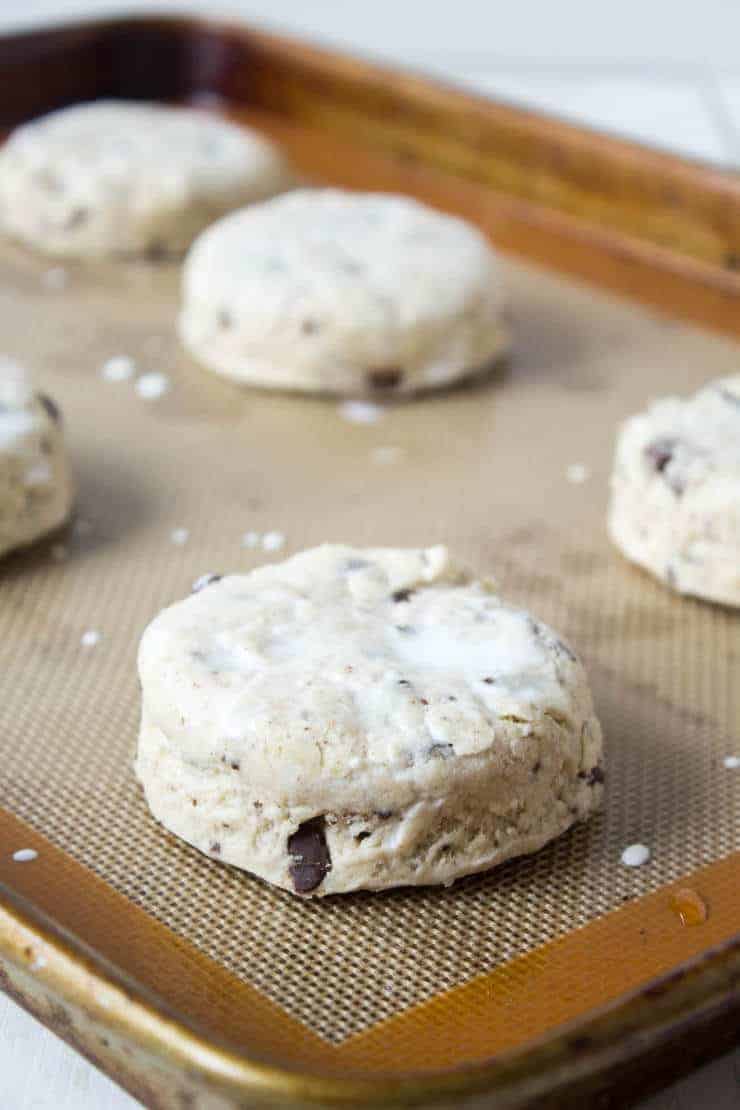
(563, 979)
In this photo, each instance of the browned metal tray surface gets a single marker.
(414, 995)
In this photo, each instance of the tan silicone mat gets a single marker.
(484, 469)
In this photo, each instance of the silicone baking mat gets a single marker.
(511, 472)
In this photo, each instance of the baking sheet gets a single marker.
(484, 469)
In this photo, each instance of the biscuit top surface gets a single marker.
(340, 660)
(690, 442)
(371, 259)
(116, 139)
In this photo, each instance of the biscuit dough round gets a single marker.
(35, 481)
(126, 177)
(362, 718)
(323, 290)
(675, 507)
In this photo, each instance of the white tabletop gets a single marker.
(666, 72)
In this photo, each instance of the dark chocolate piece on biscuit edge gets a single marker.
(384, 377)
(310, 855)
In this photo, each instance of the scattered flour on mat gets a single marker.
(152, 386)
(386, 456)
(119, 368)
(273, 541)
(635, 855)
(576, 473)
(25, 855)
(361, 412)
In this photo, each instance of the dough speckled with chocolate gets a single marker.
(362, 294)
(35, 481)
(363, 718)
(117, 176)
(675, 506)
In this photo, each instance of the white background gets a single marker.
(666, 72)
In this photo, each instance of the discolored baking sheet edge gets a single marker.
(210, 1035)
(691, 272)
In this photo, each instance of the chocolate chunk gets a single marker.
(363, 835)
(660, 452)
(214, 849)
(440, 751)
(52, 409)
(403, 682)
(489, 681)
(385, 377)
(235, 765)
(594, 776)
(76, 218)
(536, 767)
(401, 595)
(310, 854)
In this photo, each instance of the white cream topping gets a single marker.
(327, 653)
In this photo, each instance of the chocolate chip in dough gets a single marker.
(76, 218)
(440, 751)
(660, 452)
(594, 776)
(310, 855)
(401, 595)
(51, 408)
(384, 377)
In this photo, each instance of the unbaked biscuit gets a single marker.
(675, 506)
(124, 177)
(363, 718)
(35, 480)
(323, 290)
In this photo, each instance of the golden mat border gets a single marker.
(153, 1011)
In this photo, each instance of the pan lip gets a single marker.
(622, 1030)
(625, 1029)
